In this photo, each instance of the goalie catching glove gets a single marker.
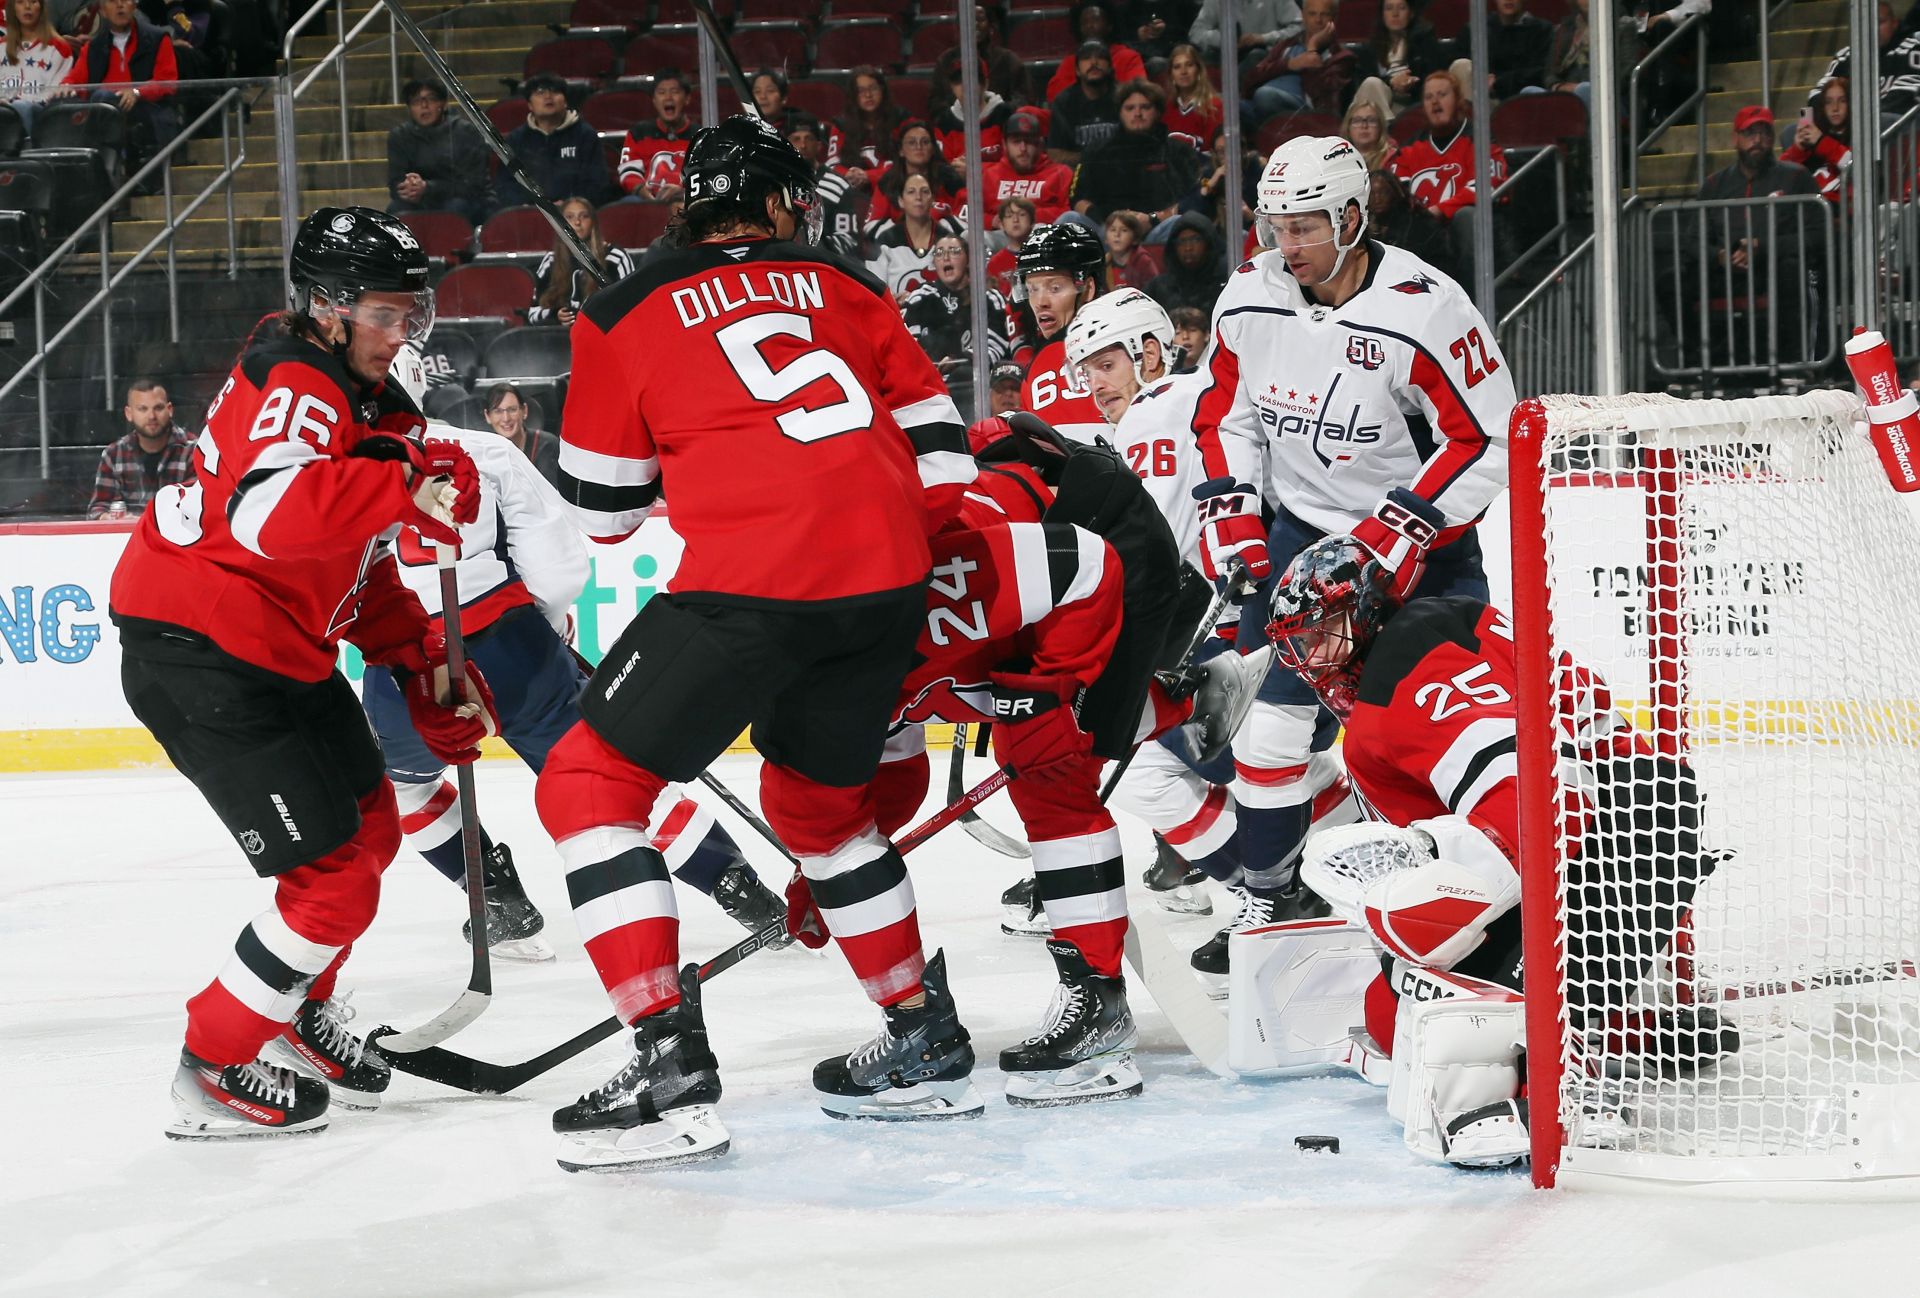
(1399, 533)
(1038, 726)
(441, 478)
(451, 728)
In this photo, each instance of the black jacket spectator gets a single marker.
(1195, 273)
(1518, 46)
(452, 158)
(564, 162)
(1140, 170)
(1081, 120)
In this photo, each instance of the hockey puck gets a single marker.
(1317, 1144)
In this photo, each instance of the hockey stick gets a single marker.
(979, 830)
(583, 255)
(703, 10)
(746, 813)
(479, 991)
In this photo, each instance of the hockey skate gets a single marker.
(1257, 910)
(1493, 1135)
(240, 1100)
(750, 902)
(1175, 885)
(1021, 914)
(1223, 689)
(917, 1069)
(658, 1110)
(319, 1044)
(1083, 1052)
(514, 923)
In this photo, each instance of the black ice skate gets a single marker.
(319, 1044)
(1176, 885)
(1083, 1051)
(1223, 690)
(917, 1068)
(658, 1110)
(514, 923)
(750, 902)
(215, 1103)
(1257, 910)
(1022, 915)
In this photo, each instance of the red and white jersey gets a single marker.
(1044, 593)
(1439, 175)
(1155, 436)
(1326, 409)
(524, 548)
(1055, 395)
(651, 157)
(773, 392)
(278, 544)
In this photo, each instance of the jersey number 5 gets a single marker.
(740, 342)
(1471, 352)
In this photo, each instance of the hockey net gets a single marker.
(1728, 897)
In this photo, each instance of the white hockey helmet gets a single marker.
(1123, 318)
(409, 371)
(1314, 173)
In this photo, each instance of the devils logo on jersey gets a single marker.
(945, 699)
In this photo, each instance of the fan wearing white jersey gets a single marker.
(1353, 389)
(1057, 271)
(522, 565)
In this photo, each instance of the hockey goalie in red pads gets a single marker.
(1426, 693)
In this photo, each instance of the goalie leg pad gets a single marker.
(1295, 995)
(1409, 986)
(1462, 1062)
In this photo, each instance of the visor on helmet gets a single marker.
(1322, 640)
(410, 323)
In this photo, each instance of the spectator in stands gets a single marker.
(1006, 75)
(1365, 128)
(1191, 328)
(1016, 220)
(126, 49)
(1092, 23)
(507, 415)
(1025, 171)
(202, 40)
(1518, 47)
(34, 61)
(769, 89)
(154, 453)
(1128, 264)
(653, 152)
(558, 150)
(843, 207)
(436, 160)
(1086, 112)
(562, 284)
(1393, 218)
(1401, 51)
(1568, 68)
(903, 245)
(916, 154)
(1316, 71)
(1157, 28)
(1140, 167)
(1264, 25)
(1437, 166)
(939, 315)
(1193, 108)
(1195, 271)
(1763, 239)
(869, 125)
(1209, 197)
(1823, 140)
(950, 126)
(1899, 66)
(1006, 382)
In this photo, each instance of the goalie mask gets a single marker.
(1313, 174)
(1327, 608)
(1125, 318)
(733, 167)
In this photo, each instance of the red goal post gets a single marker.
(1748, 583)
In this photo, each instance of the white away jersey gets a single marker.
(1403, 386)
(1155, 436)
(523, 548)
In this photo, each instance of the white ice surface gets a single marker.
(121, 895)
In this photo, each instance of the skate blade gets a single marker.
(925, 1102)
(207, 1130)
(1184, 900)
(526, 950)
(1025, 927)
(1092, 1081)
(1215, 985)
(690, 1135)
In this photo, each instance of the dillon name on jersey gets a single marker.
(1155, 436)
(524, 548)
(1402, 386)
(1052, 394)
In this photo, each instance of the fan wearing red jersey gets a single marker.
(810, 449)
(232, 598)
(1058, 270)
(653, 152)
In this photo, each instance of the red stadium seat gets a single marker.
(1408, 124)
(802, 11)
(515, 231)
(824, 99)
(930, 41)
(663, 47)
(607, 13)
(911, 94)
(1276, 131)
(1040, 38)
(635, 225)
(850, 44)
(446, 236)
(1549, 10)
(483, 292)
(1353, 22)
(780, 45)
(939, 8)
(508, 115)
(681, 11)
(1449, 17)
(616, 110)
(1527, 120)
(895, 9)
(1157, 254)
(577, 58)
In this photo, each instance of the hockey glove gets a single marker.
(1037, 730)
(986, 432)
(452, 730)
(1230, 528)
(1400, 531)
(803, 917)
(441, 478)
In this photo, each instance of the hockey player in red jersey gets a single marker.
(232, 598)
(1058, 270)
(810, 450)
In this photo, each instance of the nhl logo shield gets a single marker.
(251, 840)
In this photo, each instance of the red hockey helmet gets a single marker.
(1327, 607)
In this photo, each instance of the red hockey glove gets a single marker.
(1230, 528)
(1401, 530)
(451, 730)
(1037, 731)
(441, 478)
(803, 917)
(986, 432)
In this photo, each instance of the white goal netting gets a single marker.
(1739, 886)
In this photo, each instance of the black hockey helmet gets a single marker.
(1068, 248)
(1327, 608)
(735, 165)
(341, 253)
